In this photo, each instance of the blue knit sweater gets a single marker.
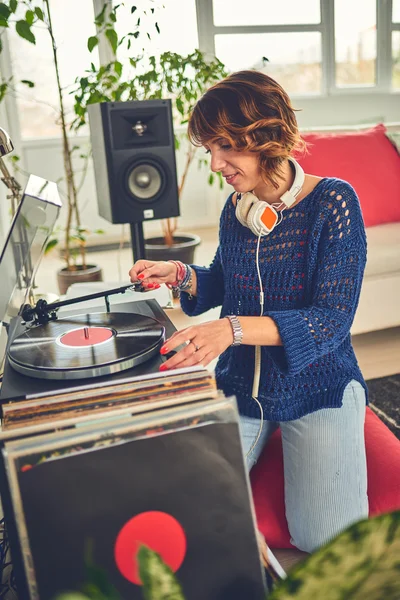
(312, 267)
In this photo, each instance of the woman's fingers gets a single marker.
(188, 357)
(138, 268)
(178, 338)
(203, 343)
(153, 272)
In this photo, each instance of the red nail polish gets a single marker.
(150, 285)
(164, 350)
(163, 368)
(141, 276)
(156, 286)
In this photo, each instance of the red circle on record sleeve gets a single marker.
(86, 336)
(157, 530)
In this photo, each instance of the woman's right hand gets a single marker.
(153, 272)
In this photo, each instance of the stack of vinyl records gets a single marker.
(92, 474)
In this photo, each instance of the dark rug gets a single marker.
(384, 399)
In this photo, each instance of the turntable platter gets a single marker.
(89, 345)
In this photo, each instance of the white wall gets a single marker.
(200, 202)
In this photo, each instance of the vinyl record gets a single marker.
(88, 345)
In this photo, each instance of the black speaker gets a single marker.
(134, 160)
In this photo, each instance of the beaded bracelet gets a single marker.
(180, 273)
(184, 278)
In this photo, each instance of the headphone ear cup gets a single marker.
(254, 222)
(243, 207)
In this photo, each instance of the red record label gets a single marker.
(159, 531)
(86, 336)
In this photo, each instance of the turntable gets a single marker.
(44, 351)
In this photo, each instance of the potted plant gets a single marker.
(183, 79)
(74, 233)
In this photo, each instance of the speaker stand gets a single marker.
(137, 238)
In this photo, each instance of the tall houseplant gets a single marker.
(25, 16)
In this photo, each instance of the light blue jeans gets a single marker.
(324, 467)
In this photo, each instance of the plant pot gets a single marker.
(183, 248)
(78, 275)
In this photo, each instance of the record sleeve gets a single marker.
(133, 395)
(92, 486)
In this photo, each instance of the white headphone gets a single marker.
(261, 217)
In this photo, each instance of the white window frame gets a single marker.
(207, 32)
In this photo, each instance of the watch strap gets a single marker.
(236, 329)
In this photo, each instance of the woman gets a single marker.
(288, 300)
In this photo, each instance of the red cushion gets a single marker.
(383, 460)
(368, 161)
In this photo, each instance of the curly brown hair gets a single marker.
(252, 112)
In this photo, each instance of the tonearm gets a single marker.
(43, 312)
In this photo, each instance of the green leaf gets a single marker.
(180, 105)
(23, 29)
(28, 83)
(362, 562)
(211, 178)
(13, 5)
(50, 245)
(118, 67)
(99, 231)
(39, 13)
(3, 90)
(159, 582)
(112, 37)
(4, 11)
(133, 9)
(157, 27)
(99, 19)
(29, 17)
(92, 42)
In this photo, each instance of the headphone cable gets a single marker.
(257, 356)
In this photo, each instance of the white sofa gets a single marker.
(379, 306)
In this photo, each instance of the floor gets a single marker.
(378, 352)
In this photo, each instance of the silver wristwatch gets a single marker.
(236, 329)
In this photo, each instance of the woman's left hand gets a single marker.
(206, 342)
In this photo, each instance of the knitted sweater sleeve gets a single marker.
(210, 288)
(318, 329)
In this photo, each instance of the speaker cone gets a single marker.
(146, 180)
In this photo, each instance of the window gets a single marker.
(355, 42)
(38, 107)
(293, 59)
(313, 47)
(396, 11)
(177, 23)
(267, 12)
